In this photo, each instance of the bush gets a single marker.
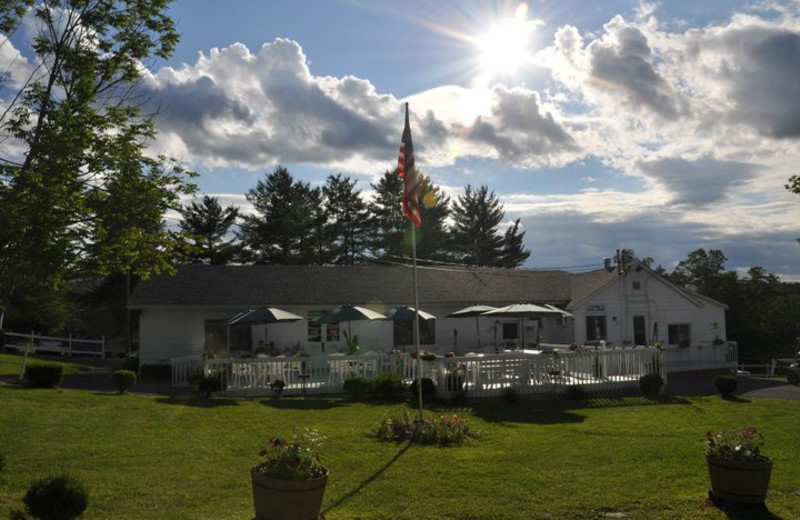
(726, 384)
(445, 430)
(16, 514)
(510, 395)
(60, 497)
(211, 383)
(388, 385)
(123, 379)
(132, 363)
(277, 387)
(44, 376)
(356, 387)
(428, 389)
(650, 384)
(576, 393)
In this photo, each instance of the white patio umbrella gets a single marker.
(262, 315)
(524, 310)
(473, 311)
(350, 313)
(404, 312)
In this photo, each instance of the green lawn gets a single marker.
(152, 457)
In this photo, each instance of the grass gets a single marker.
(152, 457)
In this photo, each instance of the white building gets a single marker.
(186, 314)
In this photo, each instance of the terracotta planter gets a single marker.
(739, 481)
(280, 499)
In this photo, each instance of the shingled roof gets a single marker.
(255, 285)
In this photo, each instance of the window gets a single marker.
(679, 334)
(404, 333)
(510, 330)
(637, 285)
(317, 331)
(595, 328)
(217, 331)
(639, 331)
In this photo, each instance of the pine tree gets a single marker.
(347, 220)
(513, 253)
(477, 215)
(207, 223)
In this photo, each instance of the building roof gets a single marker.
(257, 285)
(264, 285)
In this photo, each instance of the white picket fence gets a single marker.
(67, 346)
(702, 357)
(488, 376)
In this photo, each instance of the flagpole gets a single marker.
(416, 318)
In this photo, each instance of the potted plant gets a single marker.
(289, 481)
(736, 467)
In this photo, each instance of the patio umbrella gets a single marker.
(262, 315)
(525, 310)
(350, 313)
(404, 312)
(472, 311)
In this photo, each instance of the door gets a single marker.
(639, 331)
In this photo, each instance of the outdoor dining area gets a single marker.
(544, 371)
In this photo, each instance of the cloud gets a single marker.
(700, 182)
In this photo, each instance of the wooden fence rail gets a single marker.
(67, 346)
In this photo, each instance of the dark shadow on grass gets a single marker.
(303, 403)
(735, 399)
(527, 412)
(350, 494)
(735, 511)
(198, 401)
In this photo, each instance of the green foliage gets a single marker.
(297, 458)
(351, 343)
(277, 387)
(444, 430)
(744, 445)
(428, 389)
(726, 384)
(16, 514)
(103, 200)
(2, 461)
(388, 385)
(206, 224)
(123, 379)
(576, 393)
(60, 497)
(213, 382)
(284, 228)
(44, 375)
(650, 384)
(356, 387)
(346, 226)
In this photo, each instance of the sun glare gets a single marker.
(504, 48)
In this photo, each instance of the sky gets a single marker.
(661, 127)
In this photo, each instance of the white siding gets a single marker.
(657, 302)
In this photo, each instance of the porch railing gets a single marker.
(68, 346)
(601, 372)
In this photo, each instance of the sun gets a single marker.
(505, 47)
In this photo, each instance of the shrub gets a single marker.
(16, 514)
(510, 395)
(388, 385)
(44, 376)
(650, 384)
(277, 387)
(576, 393)
(356, 387)
(428, 389)
(454, 381)
(211, 383)
(132, 363)
(60, 497)
(123, 379)
(726, 384)
(444, 430)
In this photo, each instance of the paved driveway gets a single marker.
(702, 383)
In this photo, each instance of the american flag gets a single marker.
(411, 178)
